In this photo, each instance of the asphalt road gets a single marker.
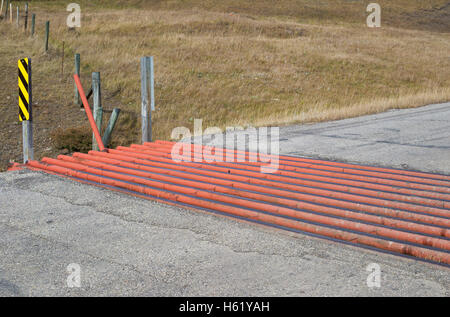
(415, 139)
(130, 246)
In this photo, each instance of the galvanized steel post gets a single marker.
(147, 92)
(97, 107)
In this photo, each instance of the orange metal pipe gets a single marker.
(247, 182)
(341, 223)
(376, 190)
(98, 138)
(318, 164)
(419, 200)
(301, 172)
(304, 167)
(331, 163)
(339, 195)
(290, 165)
(433, 255)
(205, 183)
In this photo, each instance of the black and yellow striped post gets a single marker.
(25, 109)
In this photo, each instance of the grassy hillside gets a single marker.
(431, 14)
(246, 62)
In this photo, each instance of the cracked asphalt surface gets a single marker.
(128, 246)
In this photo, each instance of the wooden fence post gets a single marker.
(6, 9)
(147, 90)
(26, 17)
(62, 61)
(97, 108)
(33, 23)
(111, 124)
(77, 100)
(47, 34)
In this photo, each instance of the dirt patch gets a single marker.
(77, 139)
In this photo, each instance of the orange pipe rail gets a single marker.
(308, 173)
(344, 185)
(87, 108)
(302, 167)
(200, 182)
(301, 173)
(433, 255)
(319, 175)
(339, 195)
(324, 162)
(185, 188)
(245, 183)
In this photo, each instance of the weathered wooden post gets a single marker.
(6, 9)
(25, 107)
(10, 13)
(17, 18)
(62, 61)
(111, 124)
(26, 17)
(47, 34)
(33, 23)
(97, 108)
(147, 92)
(77, 100)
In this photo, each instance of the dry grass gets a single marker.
(298, 61)
(316, 114)
(417, 14)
